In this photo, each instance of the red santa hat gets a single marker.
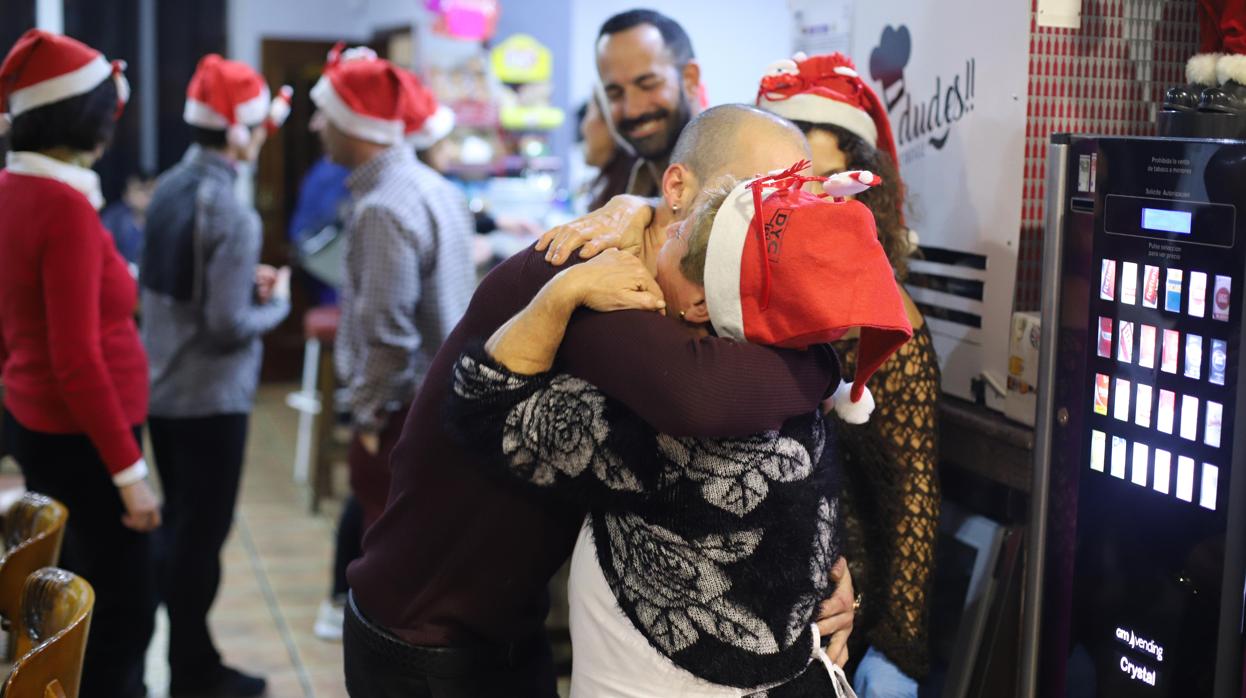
(372, 99)
(225, 95)
(788, 268)
(827, 89)
(43, 68)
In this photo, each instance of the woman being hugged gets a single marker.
(891, 488)
(73, 368)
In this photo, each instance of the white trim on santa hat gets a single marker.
(197, 113)
(71, 84)
(250, 113)
(823, 110)
(253, 111)
(723, 255)
(368, 128)
(1231, 67)
(437, 126)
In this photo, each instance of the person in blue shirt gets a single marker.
(126, 217)
(322, 196)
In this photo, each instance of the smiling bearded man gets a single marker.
(652, 84)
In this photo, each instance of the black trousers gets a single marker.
(200, 465)
(348, 545)
(114, 559)
(381, 665)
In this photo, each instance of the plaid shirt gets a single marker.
(409, 277)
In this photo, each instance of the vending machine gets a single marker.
(1138, 523)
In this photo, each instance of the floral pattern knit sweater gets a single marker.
(717, 550)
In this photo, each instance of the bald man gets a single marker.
(449, 597)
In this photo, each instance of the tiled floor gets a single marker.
(277, 564)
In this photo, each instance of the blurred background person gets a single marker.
(74, 370)
(891, 491)
(409, 272)
(317, 223)
(206, 303)
(126, 217)
(604, 151)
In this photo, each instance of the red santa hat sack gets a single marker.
(372, 99)
(827, 89)
(225, 95)
(43, 68)
(788, 268)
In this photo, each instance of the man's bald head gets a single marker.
(738, 140)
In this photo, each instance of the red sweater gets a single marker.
(70, 356)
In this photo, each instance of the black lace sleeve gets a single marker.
(891, 502)
(550, 430)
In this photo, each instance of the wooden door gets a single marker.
(283, 162)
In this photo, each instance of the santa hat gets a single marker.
(43, 68)
(788, 268)
(372, 99)
(826, 89)
(229, 96)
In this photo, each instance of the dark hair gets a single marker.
(673, 35)
(82, 122)
(886, 202)
(207, 137)
(580, 112)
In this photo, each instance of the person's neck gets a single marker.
(226, 153)
(655, 236)
(366, 152)
(77, 158)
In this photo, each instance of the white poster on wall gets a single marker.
(821, 26)
(956, 93)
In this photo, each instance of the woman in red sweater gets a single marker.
(74, 371)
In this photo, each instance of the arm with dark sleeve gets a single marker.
(687, 386)
(72, 272)
(231, 317)
(549, 430)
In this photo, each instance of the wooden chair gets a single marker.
(56, 608)
(33, 531)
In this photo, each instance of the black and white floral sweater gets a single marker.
(717, 550)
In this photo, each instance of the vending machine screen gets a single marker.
(1157, 438)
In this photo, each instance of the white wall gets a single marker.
(734, 40)
(250, 21)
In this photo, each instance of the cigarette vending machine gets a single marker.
(1138, 522)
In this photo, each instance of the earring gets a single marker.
(682, 314)
(674, 208)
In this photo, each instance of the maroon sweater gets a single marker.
(461, 556)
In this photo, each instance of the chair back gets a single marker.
(56, 608)
(33, 530)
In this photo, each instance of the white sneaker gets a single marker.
(329, 620)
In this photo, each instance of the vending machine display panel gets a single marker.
(1143, 463)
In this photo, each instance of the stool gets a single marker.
(314, 402)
